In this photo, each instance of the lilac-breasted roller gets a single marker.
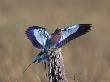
(44, 41)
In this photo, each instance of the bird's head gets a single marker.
(57, 31)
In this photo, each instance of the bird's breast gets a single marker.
(56, 38)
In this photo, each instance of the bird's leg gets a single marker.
(45, 65)
(45, 68)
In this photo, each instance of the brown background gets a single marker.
(88, 57)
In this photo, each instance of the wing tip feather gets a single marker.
(85, 27)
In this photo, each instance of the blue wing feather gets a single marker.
(38, 36)
(72, 32)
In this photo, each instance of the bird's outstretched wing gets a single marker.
(38, 36)
(72, 32)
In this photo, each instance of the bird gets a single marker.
(41, 57)
(41, 39)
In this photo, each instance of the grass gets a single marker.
(87, 56)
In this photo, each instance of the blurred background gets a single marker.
(87, 58)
